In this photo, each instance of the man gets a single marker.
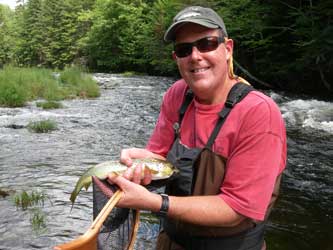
(230, 154)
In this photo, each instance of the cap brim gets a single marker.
(170, 33)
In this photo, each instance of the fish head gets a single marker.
(162, 170)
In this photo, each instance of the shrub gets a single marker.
(44, 126)
(49, 105)
(79, 83)
(19, 85)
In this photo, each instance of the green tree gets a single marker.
(158, 54)
(6, 34)
(29, 50)
(111, 40)
(58, 33)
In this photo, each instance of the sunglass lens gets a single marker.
(183, 50)
(207, 44)
(203, 45)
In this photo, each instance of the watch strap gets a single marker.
(165, 206)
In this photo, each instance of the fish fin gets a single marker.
(87, 185)
(152, 171)
(82, 182)
(71, 208)
(116, 173)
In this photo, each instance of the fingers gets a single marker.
(137, 174)
(129, 173)
(119, 181)
(133, 194)
(103, 187)
(125, 157)
(147, 177)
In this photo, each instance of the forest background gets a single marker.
(285, 45)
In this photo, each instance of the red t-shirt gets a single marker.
(253, 140)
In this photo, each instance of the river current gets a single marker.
(94, 130)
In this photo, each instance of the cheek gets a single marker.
(182, 64)
(228, 54)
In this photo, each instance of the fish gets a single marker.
(160, 169)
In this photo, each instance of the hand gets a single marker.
(134, 195)
(135, 174)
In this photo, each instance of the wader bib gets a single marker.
(201, 173)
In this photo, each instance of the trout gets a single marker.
(159, 169)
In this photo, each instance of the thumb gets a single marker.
(104, 187)
(118, 180)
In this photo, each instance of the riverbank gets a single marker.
(20, 85)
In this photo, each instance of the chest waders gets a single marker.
(202, 173)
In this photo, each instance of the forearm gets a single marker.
(201, 210)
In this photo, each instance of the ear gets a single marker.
(174, 57)
(229, 46)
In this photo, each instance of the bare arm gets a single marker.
(201, 210)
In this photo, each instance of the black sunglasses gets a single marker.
(205, 44)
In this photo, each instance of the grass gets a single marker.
(20, 85)
(79, 83)
(38, 221)
(43, 126)
(49, 105)
(25, 199)
(32, 202)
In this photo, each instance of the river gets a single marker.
(94, 130)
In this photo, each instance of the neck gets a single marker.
(217, 96)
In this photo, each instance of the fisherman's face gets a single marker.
(204, 72)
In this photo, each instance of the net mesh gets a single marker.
(116, 230)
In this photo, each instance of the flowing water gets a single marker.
(92, 131)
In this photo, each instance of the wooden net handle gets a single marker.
(87, 241)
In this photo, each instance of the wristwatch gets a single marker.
(164, 207)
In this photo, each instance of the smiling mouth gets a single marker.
(199, 70)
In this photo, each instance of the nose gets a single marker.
(196, 54)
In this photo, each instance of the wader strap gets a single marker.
(236, 94)
(186, 102)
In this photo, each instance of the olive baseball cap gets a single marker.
(195, 14)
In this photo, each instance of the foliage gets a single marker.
(157, 52)
(292, 50)
(49, 105)
(43, 126)
(113, 38)
(29, 51)
(33, 201)
(38, 221)
(20, 85)
(78, 83)
(50, 32)
(25, 199)
(6, 36)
